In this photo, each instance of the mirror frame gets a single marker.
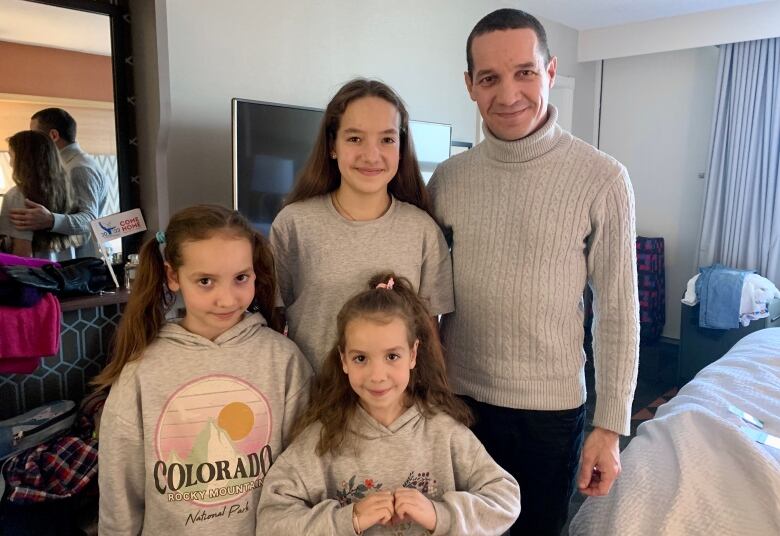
(124, 101)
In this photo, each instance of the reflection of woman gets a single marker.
(39, 177)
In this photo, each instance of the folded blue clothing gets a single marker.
(719, 289)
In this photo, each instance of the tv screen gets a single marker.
(271, 143)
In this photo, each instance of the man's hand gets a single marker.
(411, 505)
(599, 462)
(33, 218)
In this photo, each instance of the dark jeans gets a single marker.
(541, 449)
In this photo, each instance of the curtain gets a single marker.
(741, 218)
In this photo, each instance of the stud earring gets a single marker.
(333, 155)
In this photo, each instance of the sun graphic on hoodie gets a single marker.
(236, 419)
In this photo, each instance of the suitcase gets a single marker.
(651, 282)
(36, 426)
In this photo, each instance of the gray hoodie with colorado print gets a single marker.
(190, 429)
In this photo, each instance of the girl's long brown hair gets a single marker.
(40, 176)
(333, 401)
(320, 175)
(151, 298)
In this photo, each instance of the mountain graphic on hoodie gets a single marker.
(212, 445)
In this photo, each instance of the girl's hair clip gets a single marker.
(160, 237)
(388, 285)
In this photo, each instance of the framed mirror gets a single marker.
(75, 55)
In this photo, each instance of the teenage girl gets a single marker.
(198, 408)
(38, 176)
(359, 206)
(393, 452)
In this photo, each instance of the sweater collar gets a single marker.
(69, 151)
(529, 148)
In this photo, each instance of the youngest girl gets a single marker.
(198, 409)
(383, 447)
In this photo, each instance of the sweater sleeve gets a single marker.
(87, 192)
(121, 466)
(436, 273)
(279, 238)
(612, 277)
(490, 500)
(289, 505)
(436, 192)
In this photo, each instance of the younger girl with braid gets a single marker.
(384, 447)
(199, 408)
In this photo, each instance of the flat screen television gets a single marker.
(271, 143)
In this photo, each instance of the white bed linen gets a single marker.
(691, 470)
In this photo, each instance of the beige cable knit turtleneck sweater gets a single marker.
(531, 222)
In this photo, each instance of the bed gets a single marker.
(692, 470)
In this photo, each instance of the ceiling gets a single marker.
(38, 24)
(590, 14)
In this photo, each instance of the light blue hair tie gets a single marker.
(160, 236)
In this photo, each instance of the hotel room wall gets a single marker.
(37, 70)
(37, 77)
(656, 118)
(196, 56)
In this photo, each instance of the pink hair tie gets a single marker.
(388, 285)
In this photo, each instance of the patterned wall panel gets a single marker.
(86, 338)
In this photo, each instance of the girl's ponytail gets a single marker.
(144, 314)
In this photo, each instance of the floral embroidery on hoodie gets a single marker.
(423, 483)
(348, 493)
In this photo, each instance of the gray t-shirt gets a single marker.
(323, 259)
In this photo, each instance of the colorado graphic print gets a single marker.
(212, 441)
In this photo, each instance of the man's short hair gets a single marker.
(59, 119)
(507, 19)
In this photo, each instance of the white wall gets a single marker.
(656, 118)
(563, 42)
(695, 30)
(300, 53)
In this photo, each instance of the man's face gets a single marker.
(510, 82)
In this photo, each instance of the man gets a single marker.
(534, 214)
(90, 185)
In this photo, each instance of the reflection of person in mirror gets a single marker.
(535, 214)
(38, 176)
(90, 185)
